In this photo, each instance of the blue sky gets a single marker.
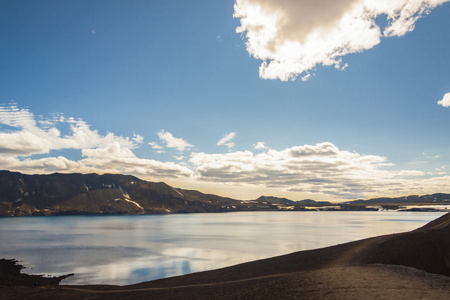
(308, 101)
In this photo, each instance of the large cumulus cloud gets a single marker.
(445, 101)
(293, 36)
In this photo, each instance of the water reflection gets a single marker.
(171, 262)
(131, 249)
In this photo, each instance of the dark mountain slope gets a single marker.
(274, 200)
(56, 194)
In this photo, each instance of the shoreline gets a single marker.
(414, 207)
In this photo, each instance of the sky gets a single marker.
(323, 99)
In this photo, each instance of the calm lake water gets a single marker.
(131, 249)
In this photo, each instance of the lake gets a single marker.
(130, 249)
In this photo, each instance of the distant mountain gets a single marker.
(284, 201)
(71, 194)
(274, 200)
(310, 202)
(431, 199)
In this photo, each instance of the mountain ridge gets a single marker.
(60, 194)
(105, 194)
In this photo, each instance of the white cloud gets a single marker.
(115, 158)
(109, 159)
(22, 143)
(22, 136)
(11, 115)
(155, 145)
(26, 136)
(138, 138)
(320, 168)
(109, 152)
(173, 142)
(306, 77)
(410, 173)
(291, 37)
(43, 165)
(259, 145)
(322, 149)
(226, 140)
(445, 101)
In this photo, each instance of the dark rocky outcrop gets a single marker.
(11, 275)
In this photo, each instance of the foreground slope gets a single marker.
(408, 265)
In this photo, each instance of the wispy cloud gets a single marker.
(227, 140)
(291, 37)
(445, 101)
(306, 77)
(138, 138)
(173, 142)
(155, 145)
(424, 159)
